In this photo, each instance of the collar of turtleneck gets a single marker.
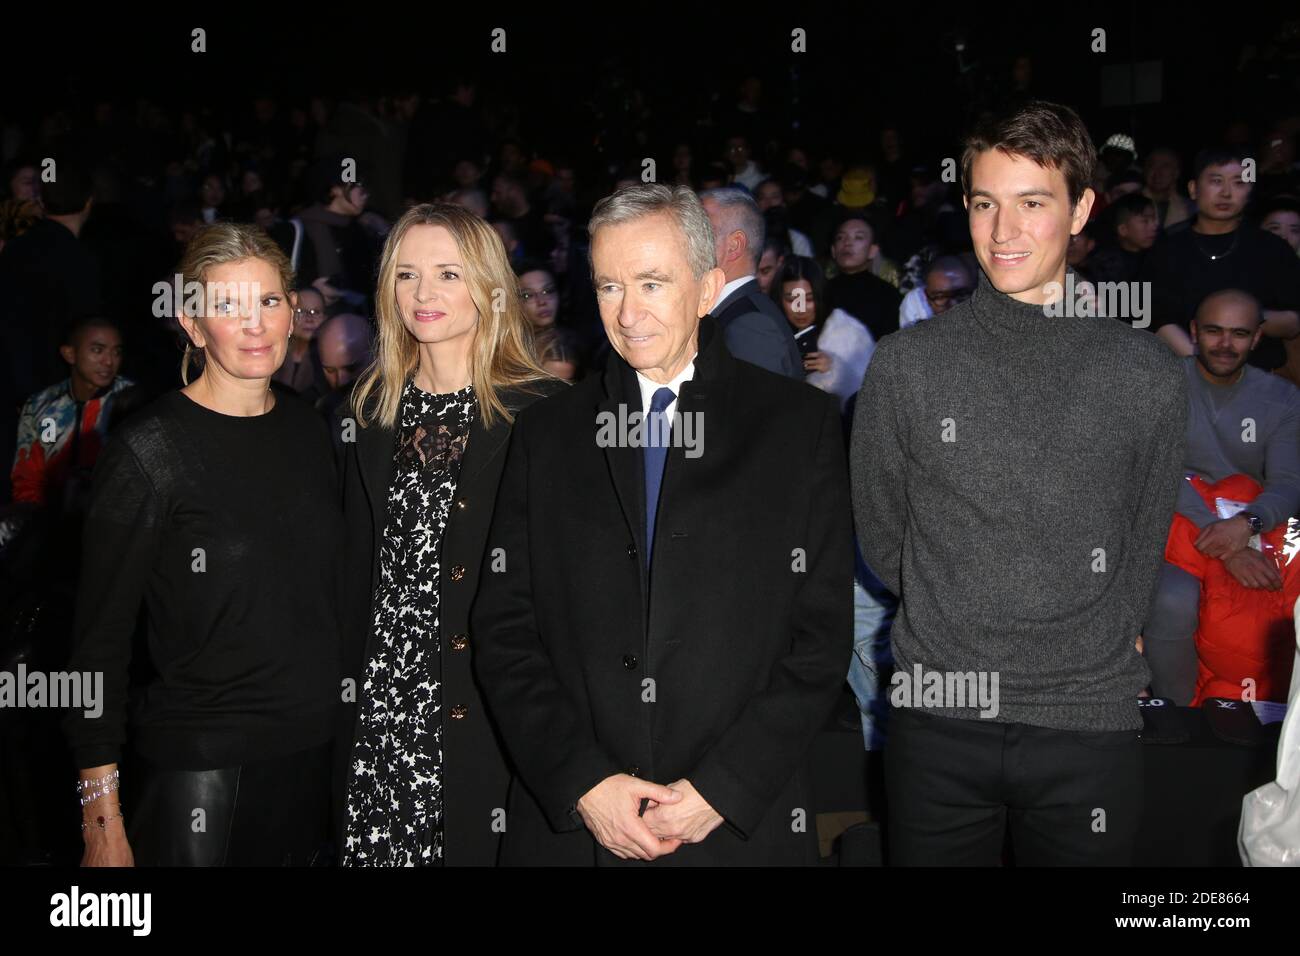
(1000, 312)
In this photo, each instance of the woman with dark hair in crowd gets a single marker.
(539, 294)
(216, 507)
(453, 365)
(20, 181)
(302, 370)
(212, 198)
(836, 347)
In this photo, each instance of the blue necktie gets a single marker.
(657, 429)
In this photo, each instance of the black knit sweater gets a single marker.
(228, 530)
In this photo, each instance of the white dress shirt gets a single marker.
(648, 388)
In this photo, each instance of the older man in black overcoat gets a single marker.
(664, 618)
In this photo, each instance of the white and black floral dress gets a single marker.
(394, 805)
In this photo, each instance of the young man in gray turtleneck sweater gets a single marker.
(1014, 475)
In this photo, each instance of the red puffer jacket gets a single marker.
(1244, 633)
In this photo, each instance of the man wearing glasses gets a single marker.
(948, 282)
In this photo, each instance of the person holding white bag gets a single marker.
(836, 348)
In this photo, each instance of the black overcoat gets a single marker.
(720, 666)
(475, 775)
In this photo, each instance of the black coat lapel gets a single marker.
(626, 470)
(375, 453)
(486, 443)
(375, 456)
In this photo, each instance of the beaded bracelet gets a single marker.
(95, 782)
(101, 821)
(97, 787)
(96, 794)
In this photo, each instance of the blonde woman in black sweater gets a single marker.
(215, 508)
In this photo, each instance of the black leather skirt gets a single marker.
(261, 813)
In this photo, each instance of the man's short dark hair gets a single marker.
(862, 215)
(775, 244)
(69, 191)
(792, 178)
(1050, 134)
(1168, 151)
(514, 179)
(1125, 176)
(1216, 156)
(950, 264)
(324, 175)
(1280, 204)
(1130, 206)
(73, 331)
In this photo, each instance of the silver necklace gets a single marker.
(1236, 233)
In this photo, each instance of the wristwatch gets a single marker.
(1256, 523)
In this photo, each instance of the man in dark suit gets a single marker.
(665, 617)
(754, 326)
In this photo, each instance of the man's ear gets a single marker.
(736, 242)
(68, 354)
(710, 285)
(1192, 330)
(1081, 210)
(873, 250)
(1191, 189)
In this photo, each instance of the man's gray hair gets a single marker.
(648, 199)
(739, 211)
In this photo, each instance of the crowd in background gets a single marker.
(857, 239)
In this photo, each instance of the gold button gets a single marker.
(459, 711)
(458, 572)
(459, 642)
(460, 503)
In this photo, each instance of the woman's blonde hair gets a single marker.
(218, 244)
(501, 354)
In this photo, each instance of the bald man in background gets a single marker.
(1223, 393)
(344, 342)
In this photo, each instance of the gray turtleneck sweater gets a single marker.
(1014, 477)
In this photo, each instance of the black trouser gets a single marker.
(260, 813)
(1071, 798)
